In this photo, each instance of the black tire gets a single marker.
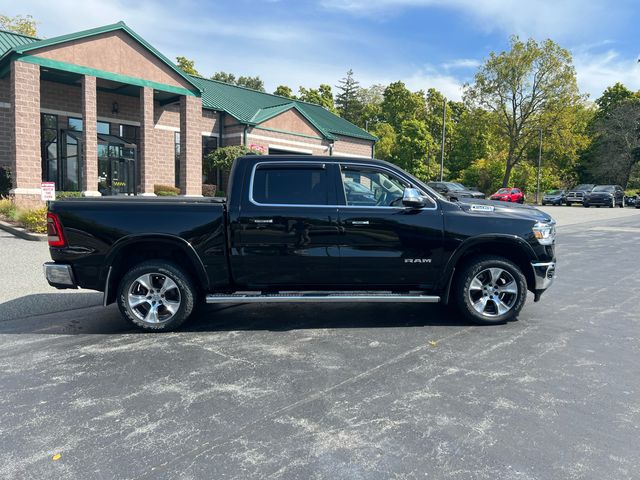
(462, 287)
(585, 205)
(184, 291)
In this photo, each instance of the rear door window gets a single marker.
(290, 185)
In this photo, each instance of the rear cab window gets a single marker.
(301, 184)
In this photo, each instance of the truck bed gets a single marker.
(97, 233)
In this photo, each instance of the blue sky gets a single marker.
(425, 43)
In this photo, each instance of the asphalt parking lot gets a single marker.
(331, 391)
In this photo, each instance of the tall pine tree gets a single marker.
(348, 101)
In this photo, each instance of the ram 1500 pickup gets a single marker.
(302, 229)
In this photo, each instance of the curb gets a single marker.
(22, 233)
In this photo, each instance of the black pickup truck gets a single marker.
(294, 229)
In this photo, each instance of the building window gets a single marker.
(130, 133)
(209, 144)
(104, 128)
(49, 136)
(76, 125)
(177, 155)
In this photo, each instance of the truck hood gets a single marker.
(502, 209)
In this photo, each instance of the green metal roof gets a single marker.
(253, 107)
(21, 47)
(9, 40)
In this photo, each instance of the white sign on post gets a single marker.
(48, 191)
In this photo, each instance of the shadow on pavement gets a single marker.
(101, 320)
(318, 316)
(44, 303)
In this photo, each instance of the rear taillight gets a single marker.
(54, 231)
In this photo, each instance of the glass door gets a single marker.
(117, 167)
(70, 161)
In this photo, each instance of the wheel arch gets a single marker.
(510, 247)
(145, 247)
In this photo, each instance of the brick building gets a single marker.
(104, 113)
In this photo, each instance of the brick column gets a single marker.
(190, 146)
(146, 151)
(89, 178)
(25, 154)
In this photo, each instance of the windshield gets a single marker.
(453, 186)
(554, 192)
(603, 188)
(584, 186)
(504, 190)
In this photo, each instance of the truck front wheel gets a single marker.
(490, 290)
(156, 295)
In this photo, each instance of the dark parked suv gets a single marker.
(605, 196)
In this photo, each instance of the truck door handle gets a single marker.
(360, 222)
(262, 220)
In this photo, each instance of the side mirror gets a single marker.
(411, 198)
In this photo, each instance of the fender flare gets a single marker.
(168, 239)
(471, 242)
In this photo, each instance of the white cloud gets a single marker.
(461, 63)
(597, 71)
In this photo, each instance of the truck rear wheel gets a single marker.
(490, 290)
(156, 295)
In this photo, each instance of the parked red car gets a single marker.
(514, 195)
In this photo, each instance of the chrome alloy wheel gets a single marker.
(493, 292)
(154, 298)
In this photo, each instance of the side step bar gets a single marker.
(319, 297)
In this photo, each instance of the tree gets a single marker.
(371, 100)
(284, 91)
(612, 97)
(399, 104)
(254, 83)
(386, 146)
(617, 144)
(413, 144)
(322, 96)
(224, 77)
(527, 88)
(348, 103)
(187, 66)
(474, 137)
(24, 25)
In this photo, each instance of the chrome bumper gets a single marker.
(544, 273)
(59, 275)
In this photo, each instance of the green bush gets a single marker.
(220, 193)
(223, 158)
(61, 195)
(166, 190)
(5, 181)
(209, 190)
(7, 207)
(34, 220)
(164, 193)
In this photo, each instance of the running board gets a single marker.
(318, 297)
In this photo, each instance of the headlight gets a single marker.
(545, 232)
